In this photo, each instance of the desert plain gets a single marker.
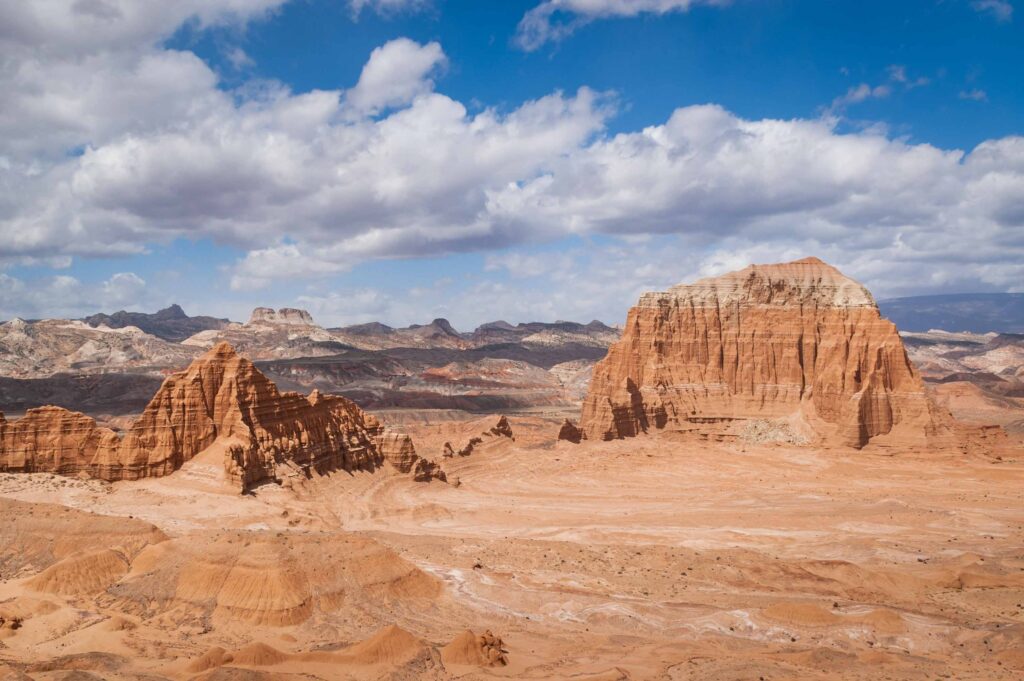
(647, 558)
(712, 548)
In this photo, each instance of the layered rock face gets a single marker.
(55, 346)
(220, 399)
(399, 451)
(54, 440)
(286, 315)
(771, 341)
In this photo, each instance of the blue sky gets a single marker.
(405, 159)
(761, 58)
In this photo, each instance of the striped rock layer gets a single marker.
(223, 399)
(797, 339)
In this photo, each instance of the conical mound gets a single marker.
(468, 648)
(391, 645)
(258, 654)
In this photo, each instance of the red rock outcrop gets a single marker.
(502, 429)
(221, 398)
(769, 341)
(570, 432)
(54, 440)
(484, 650)
(399, 451)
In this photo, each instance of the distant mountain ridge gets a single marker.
(973, 312)
(108, 364)
(170, 323)
(441, 333)
(368, 329)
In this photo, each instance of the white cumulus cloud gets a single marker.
(64, 296)
(397, 72)
(109, 146)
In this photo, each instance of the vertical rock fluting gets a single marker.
(769, 341)
(221, 398)
(53, 440)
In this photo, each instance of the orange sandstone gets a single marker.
(797, 340)
(221, 398)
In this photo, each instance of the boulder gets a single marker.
(570, 432)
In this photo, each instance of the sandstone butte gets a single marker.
(286, 315)
(797, 341)
(222, 399)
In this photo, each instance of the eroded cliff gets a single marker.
(222, 399)
(794, 340)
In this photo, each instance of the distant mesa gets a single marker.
(224, 407)
(797, 341)
(437, 334)
(273, 335)
(286, 315)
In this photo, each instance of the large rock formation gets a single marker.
(221, 399)
(54, 440)
(796, 340)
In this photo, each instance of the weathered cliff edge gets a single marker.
(796, 340)
(223, 399)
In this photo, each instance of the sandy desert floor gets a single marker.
(660, 557)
